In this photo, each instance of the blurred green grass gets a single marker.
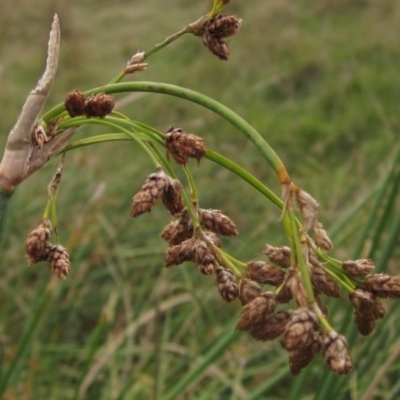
(320, 81)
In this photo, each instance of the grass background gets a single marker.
(319, 80)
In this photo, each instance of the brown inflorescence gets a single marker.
(217, 222)
(264, 273)
(335, 352)
(181, 145)
(36, 241)
(172, 197)
(59, 260)
(98, 105)
(178, 230)
(74, 103)
(226, 283)
(358, 268)
(278, 255)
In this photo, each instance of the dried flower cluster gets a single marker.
(38, 248)
(217, 30)
(98, 105)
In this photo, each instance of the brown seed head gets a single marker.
(264, 273)
(179, 230)
(323, 282)
(255, 311)
(335, 353)
(223, 26)
(217, 222)
(359, 268)
(295, 284)
(180, 253)
(300, 358)
(58, 258)
(226, 284)
(204, 258)
(172, 197)
(383, 285)
(299, 331)
(181, 146)
(36, 241)
(217, 46)
(248, 290)
(75, 103)
(367, 309)
(99, 105)
(152, 190)
(272, 327)
(278, 255)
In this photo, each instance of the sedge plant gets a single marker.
(281, 292)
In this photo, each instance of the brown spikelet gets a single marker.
(358, 268)
(204, 258)
(272, 327)
(223, 25)
(278, 255)
(335, 353)
(300, 358)
(256, 311)
(323, 282)
(217, 46)
(179, 230)
(367, 309)
(295, 284)
(75, 103)
(217, 222)
(226, 283)
(308, 208)
(172, 197)
(99, 105)
(180, 253)
(299, 331)
(36, 241)
(248, 290)
(383, 285)
(152, 190)
(181, 145)
(58, 258)
(264, 273)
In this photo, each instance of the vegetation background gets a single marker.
(319, 80)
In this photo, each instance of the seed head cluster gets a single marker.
(99, 105)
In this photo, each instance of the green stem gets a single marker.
(192, 185)
(163, 88)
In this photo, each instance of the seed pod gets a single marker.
(299, 331)
(264, 273)
(75, 103)
(248, 290)
(300, 358)
(181, 146)
(272, 327)
(172, 197)
(335, 352)
(358, 268)
(178, 231)
(278, 255)
(98, 105)
(180, 253)
(323, 282)
(383, 285)
(58, 258)
(367, 309)
(35, 242)
(217, 222)
(226, 283)
(152, 190)
(322, 239)
(256, 311)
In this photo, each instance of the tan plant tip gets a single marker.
(335, 353)
(181, 145)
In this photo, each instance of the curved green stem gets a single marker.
(163, 88)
